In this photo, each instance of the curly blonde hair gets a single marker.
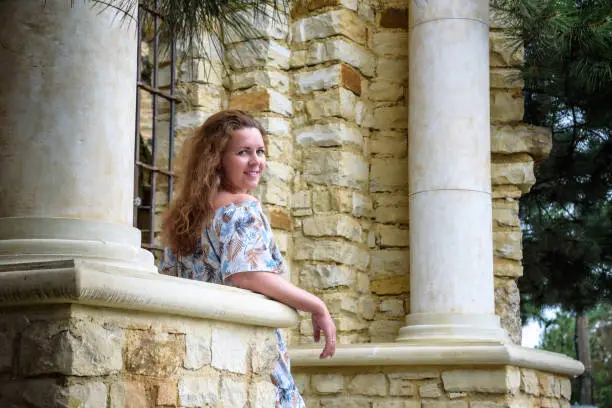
(197, 179)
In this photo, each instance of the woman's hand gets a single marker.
(276, 287)
(323, 321)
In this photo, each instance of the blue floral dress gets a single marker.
(239, 239)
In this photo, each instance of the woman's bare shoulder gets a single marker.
(224, 198)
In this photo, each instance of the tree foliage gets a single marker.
(559, 336)
(567, 216)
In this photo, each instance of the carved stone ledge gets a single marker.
(82, 282)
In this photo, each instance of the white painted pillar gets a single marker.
(451, 256)
(67, 117)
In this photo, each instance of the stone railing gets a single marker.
(73, 333)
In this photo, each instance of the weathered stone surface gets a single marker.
(444, 404)
(430, 390)
(89, 395)
(197, 350)
(167, 393)
(506, 214)
(344, 51)
(264, 352)
(318, 4)
(366, 307)
(490, 381)
(385, 90)
(506, 78)
(392, 307)
(262, 395)
(396, 404)
(517, 173)
(340, 302)
(487, 404)
(390, 262)
(258, 53)
(401, 384)
(335, 167)
(269, 23)
(327, 384)
(507, 267)
(384, 330)
(345, 402)
(529, 382)
(508, 244)
(507, 307)
(508, 139)
(394, 18)
(276, 80)
(368, 384)
(302, 382)
(503, 52)
(335, 22)
(336, 225)
(233, 393)
(274, 126)
(278, 172)
(199, 391)
(328, 77)
(209, 96)
(230, 348)
(280, 218)
(392, 44)
(274, 192)
(155, 354)
(337, 102)
(334, 251)
(392, 236)
(565, 386)
(389, 143)
(394, 70)
(507, 105)
(393, 213)
(388, 174)
(128, 394)
(506, 191)
(35, 393)
(328, 135)
(75, 348)
(266, 100)
(394, 285)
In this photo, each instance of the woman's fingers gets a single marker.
(329, 331)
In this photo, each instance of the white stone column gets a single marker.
(451, 257)
(67, 117)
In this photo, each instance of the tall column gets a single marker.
(67, 117)
(451, 257)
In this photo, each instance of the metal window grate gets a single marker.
(146, 171)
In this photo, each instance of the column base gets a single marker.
(32, 239)
(444, 328)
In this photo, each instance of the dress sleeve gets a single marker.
(247, 244)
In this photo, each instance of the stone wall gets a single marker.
(432, 387)
(329, 82)
(79, 356)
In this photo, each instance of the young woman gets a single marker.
(216, 232)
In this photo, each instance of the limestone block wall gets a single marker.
(329, 82)
(514, 149)
(80, 356)
(432, 387)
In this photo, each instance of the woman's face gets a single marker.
(244, 160)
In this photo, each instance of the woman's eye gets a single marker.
(242, 153)
(261, 152)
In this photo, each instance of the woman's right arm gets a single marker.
(277, 288)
